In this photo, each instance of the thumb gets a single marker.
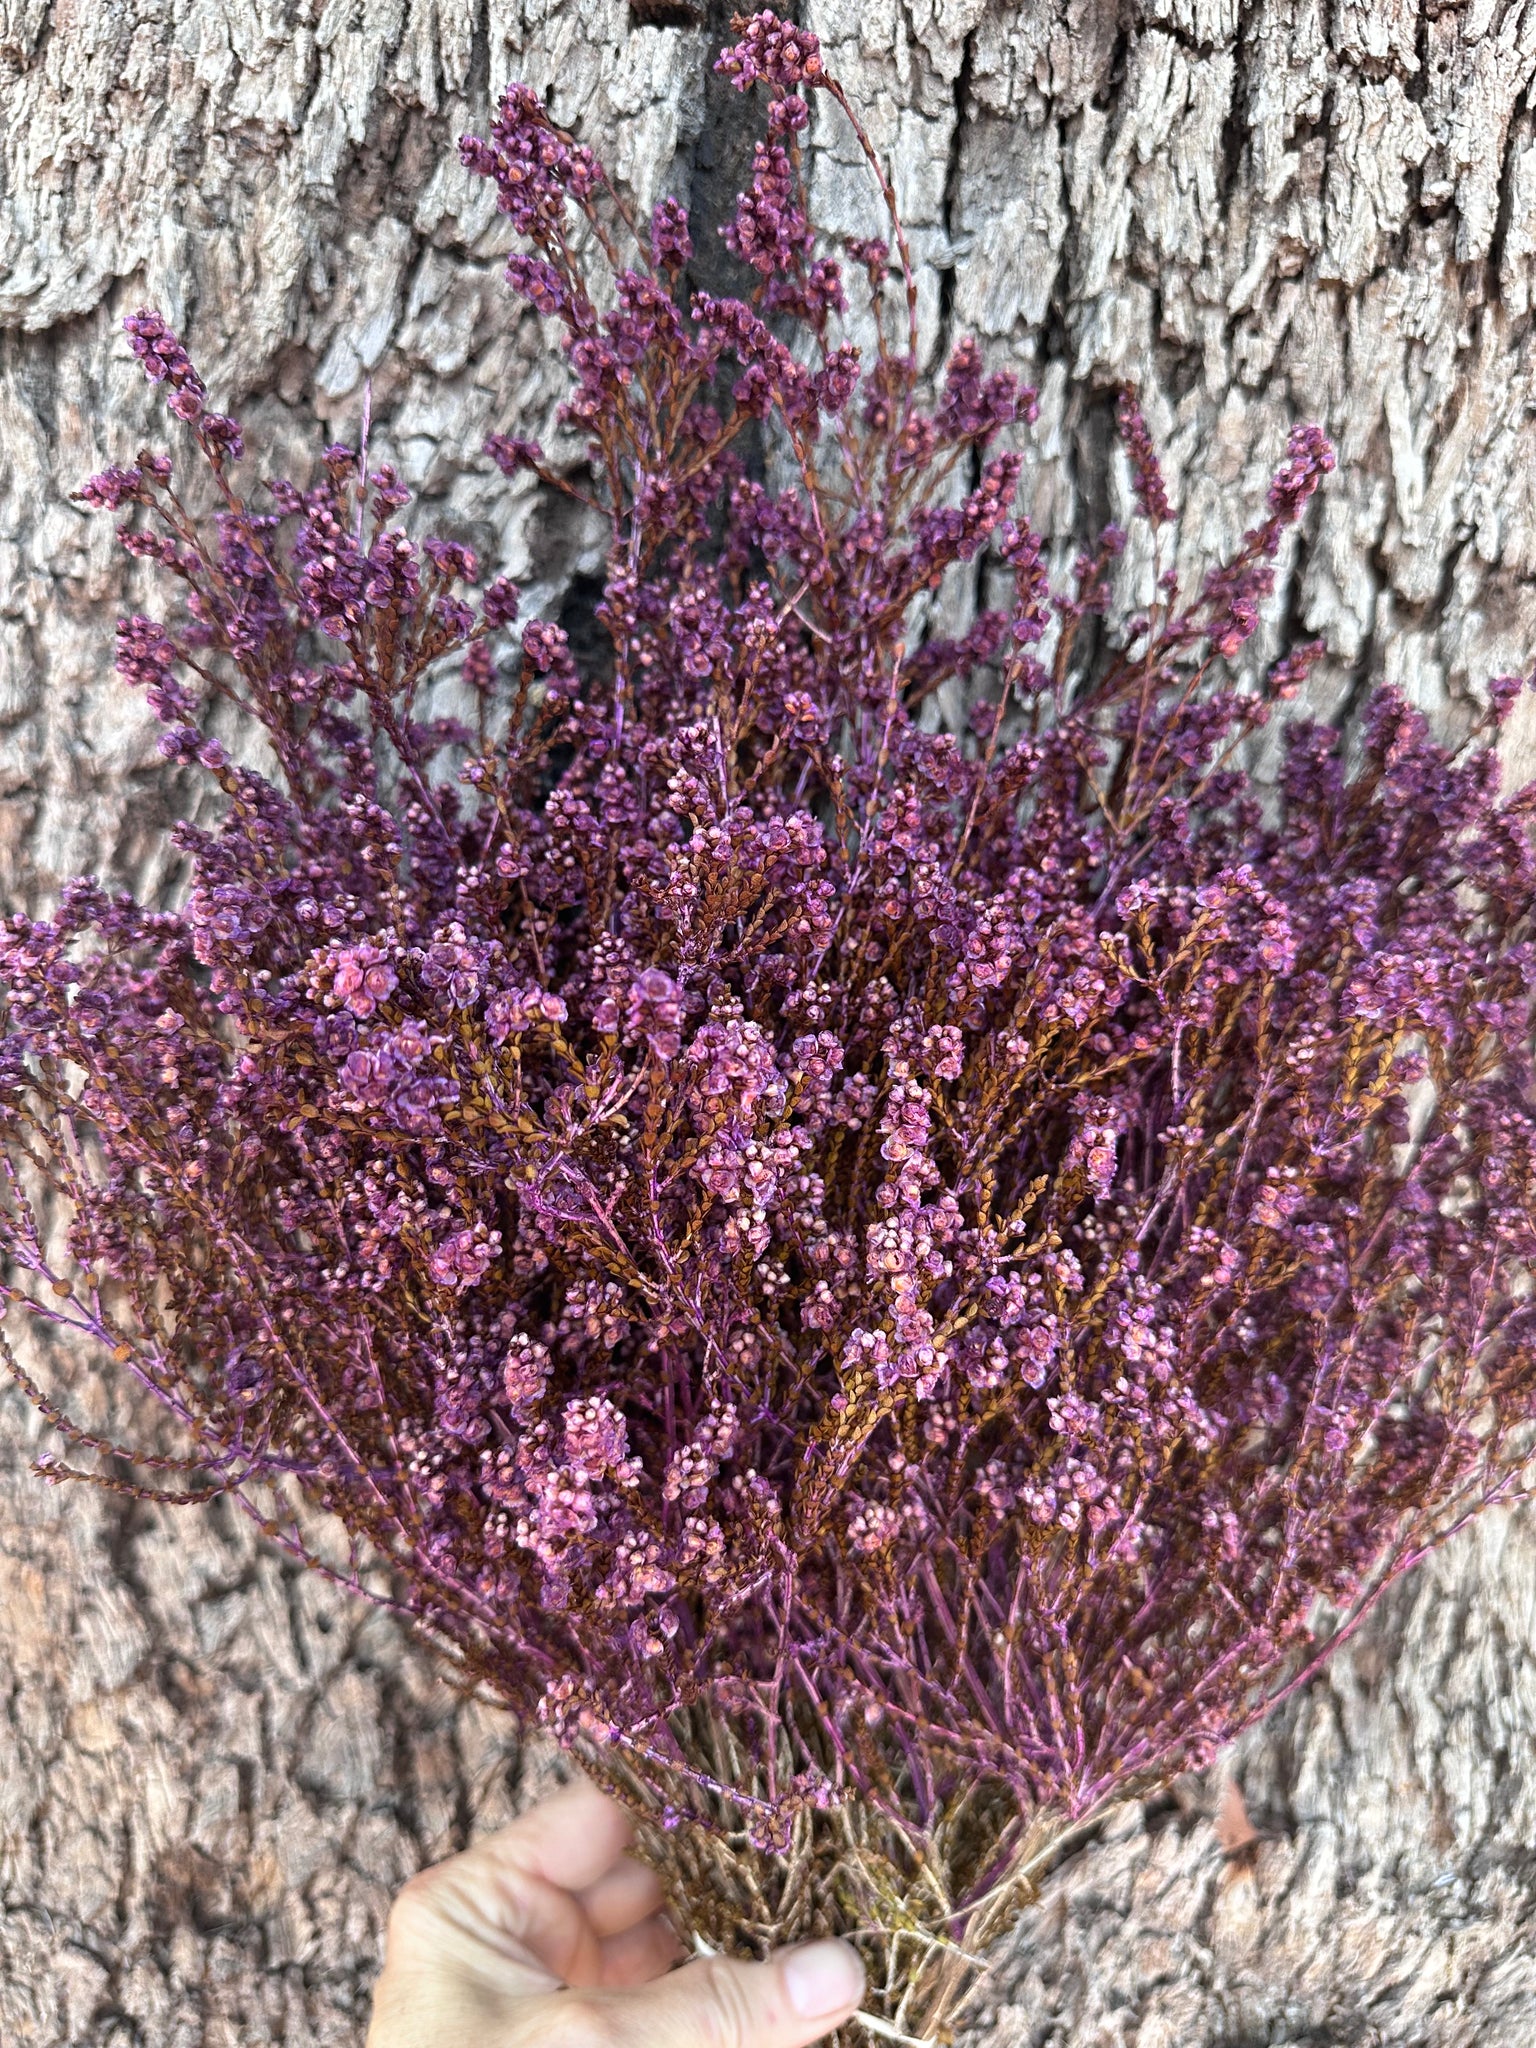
(790, 2001)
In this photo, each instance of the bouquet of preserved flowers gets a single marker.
(889, 1284)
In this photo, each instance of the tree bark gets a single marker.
(213, 1772)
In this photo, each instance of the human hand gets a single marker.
(548, 1935)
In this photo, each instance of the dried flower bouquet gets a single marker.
(889, 1284)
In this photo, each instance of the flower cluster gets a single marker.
(942, 1253)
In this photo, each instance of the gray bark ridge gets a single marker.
(212, 1772)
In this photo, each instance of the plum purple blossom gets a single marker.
(464, 1258)
(361, 977)
(656, 1012)
(1147, 471)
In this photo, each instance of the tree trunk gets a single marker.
(214, 1772)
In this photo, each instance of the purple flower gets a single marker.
(455, 965)
(535, 167)
(111, 489)
(1092, 1151)
(671, 245)
(1309, 458)
(1504, 693)
(511, 453)
(164, 360)
(1288, 676)
(498, 607)
(774, 51)
(596, 1436)
(362, 977)
(452, 560)
(525, 1374)
(221, 437)
(514, 1010)
(463, 1259)
(975, 405)
(1147, 471)
(655, 1012)
(769, 230)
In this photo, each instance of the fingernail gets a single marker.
(825, 1976)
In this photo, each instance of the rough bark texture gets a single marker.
(212, 1772)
